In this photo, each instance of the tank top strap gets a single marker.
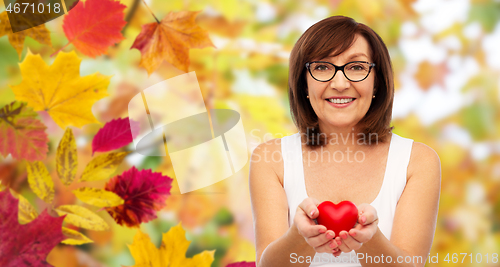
(293, 172)
(397, 165)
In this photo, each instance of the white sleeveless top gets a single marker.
(385, 203)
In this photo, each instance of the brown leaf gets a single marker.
(16, 39)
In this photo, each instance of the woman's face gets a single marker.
(348, 114)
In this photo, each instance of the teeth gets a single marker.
(340, 100)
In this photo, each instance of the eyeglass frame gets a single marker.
(371, 65)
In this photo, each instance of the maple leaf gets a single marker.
(95, 25)
(27, 214)
(59, 89)
(16, 39)
(144, 192)
(170, 40)
(115, 134)
(21, 134)
(28, 244)
(172, 251)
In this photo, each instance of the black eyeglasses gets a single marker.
(354, 71)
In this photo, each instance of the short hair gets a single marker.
(336, 34)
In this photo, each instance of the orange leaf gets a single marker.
(429, 74)
(21, 134)
(170, 40)
(95, 25)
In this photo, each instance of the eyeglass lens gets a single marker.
(354, 71)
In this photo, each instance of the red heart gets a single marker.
(337, 217)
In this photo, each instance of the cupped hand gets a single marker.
(363, 231)
(317, 236)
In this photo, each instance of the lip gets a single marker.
(340, 97)
(335, 105)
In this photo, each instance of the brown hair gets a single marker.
(337, 34)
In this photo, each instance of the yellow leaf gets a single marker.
(170, 40)
(2, 187)
(40, 181)
(82, 217)
(16, 39)
(74, 237)
(98, 197)
(103, 166)
(26, 212)
(59, 89)
(172, 251)
(66, 158)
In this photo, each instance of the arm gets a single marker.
(415, 218)
(275, 241)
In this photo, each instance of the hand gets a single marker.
(362, 232)
(317, 236)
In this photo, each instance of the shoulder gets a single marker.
(268, 156)
(423, 160)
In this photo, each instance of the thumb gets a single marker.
(315, 212)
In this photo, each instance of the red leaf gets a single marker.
(95, 25)
(21, 134)
(28, 244)
(113, 135)
(144, 193)
(242, 264)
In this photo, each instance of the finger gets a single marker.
(349, 241)
(342, 245)
(367, 214)
(326, 247)
(362, 235)
(309, 207)
(359, 234)
(309, 231)
(337, 253)
(321, 239)
(356, 235)
(301, 216)
(315, 201)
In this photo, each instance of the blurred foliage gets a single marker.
(247, 72)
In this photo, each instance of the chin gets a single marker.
(342, 123)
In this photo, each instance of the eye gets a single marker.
(357, 67)
(321, 67)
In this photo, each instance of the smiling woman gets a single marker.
(367, 164)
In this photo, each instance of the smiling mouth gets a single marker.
(340, 100)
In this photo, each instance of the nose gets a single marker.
(339, 82)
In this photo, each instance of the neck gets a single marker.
(344, 137)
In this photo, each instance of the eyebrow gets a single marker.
(353, 56)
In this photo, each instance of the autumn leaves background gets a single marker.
(445, 58)
(65, 99)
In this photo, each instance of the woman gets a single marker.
(341, 91)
